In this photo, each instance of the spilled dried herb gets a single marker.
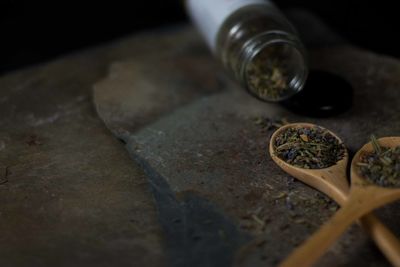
(382, 166)
(269, 124)
(309, 148)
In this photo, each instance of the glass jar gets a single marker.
(255, 42)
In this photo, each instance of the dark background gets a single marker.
(37, 31)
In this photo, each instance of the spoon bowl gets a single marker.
(332, 181)
(356, 178)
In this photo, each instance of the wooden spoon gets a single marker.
(333, 182)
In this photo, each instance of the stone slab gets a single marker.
(192, 130)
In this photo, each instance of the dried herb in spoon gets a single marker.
(382, 166)
(309, 148)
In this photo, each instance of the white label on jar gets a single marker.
(209, 15)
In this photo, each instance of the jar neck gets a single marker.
(296, 60)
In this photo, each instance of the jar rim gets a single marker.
(265, 40)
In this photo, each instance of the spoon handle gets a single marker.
(359, 203)
(384, 239)
(387, 242)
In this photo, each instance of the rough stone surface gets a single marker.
(192, 130)
(69, 193)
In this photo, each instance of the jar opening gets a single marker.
(275, 71)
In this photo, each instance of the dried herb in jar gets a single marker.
(382, 166)
(309, 147)
(267, 75)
